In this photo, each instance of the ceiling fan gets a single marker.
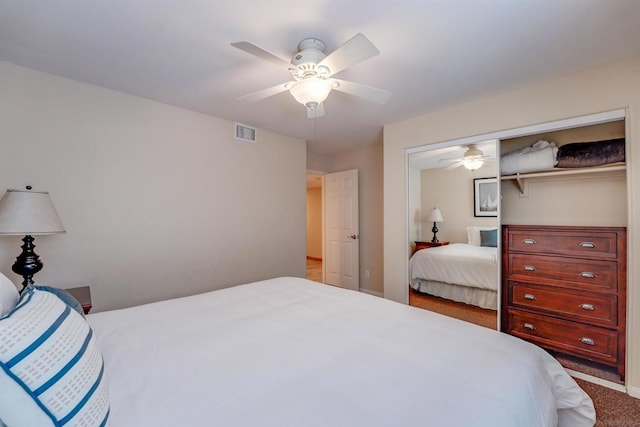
(312, 72)
(472, 159)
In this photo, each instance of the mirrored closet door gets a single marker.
(453, 231)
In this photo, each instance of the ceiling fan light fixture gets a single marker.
(472, 163)
(472, 159)
(311, 92)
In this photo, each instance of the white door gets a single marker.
(342, 248)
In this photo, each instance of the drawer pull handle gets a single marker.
(588, 275)
(589, 245)
(529, 297)
(529, 326)
(589, 307)
(529, 268)
(528, 241)
(587, 341)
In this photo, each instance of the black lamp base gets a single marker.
(27, 263)
(434, 230)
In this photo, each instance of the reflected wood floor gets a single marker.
(466, 312)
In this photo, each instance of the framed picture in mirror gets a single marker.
(485, 197)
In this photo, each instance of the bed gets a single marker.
(463, 272)
(292, 352)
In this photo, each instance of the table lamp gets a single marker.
(28, 213)
(435, 216)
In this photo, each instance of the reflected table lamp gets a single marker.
(28, 213)
(435, 216)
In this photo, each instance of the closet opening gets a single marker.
(580, 204)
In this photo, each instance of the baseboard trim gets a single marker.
(599, 381)
(633, 391)
(314, 258)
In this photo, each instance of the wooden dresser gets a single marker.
(564, 288)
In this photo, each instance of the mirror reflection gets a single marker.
(454, 233)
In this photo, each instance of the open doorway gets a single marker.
(315, 183)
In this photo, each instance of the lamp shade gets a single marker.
(28, 213)
(311, 91)
(435, 215)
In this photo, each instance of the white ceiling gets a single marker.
(447, 156)
(432, 53)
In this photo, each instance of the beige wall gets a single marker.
(451, 191)
(605, 88)
(314, 222)
(599, 199)
(368, 161)
(157, 201)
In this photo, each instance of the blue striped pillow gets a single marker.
(52, 373)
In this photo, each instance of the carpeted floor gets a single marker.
(613, 408)
(598, 370)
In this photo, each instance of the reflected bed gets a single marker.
(459, 272)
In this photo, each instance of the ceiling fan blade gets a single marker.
(367, 92)
(449, 161)
(264, 93)
(317, 111)
(356, 49)
(455, 165)
(263, 54)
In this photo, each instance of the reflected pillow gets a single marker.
(473, 234)
(489, 238)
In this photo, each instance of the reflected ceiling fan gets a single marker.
(312, 72)
(472, 159)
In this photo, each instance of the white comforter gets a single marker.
(291, 352)
(457, 263)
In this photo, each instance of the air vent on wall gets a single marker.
(245, 133)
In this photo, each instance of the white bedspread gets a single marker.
(457, 263)
(291, 352)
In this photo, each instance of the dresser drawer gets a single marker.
(564, 272)
(589, 244)
(590, 342)
(575, 305)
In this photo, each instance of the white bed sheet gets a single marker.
(291, 352)
(457, 263)
(483, 298)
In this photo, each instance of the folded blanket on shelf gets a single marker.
(540, 156)
(596, 153)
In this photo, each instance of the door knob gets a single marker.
(353, 236)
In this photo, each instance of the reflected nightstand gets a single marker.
(424, 245)
(83, 295)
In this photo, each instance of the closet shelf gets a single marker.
(519, 178)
